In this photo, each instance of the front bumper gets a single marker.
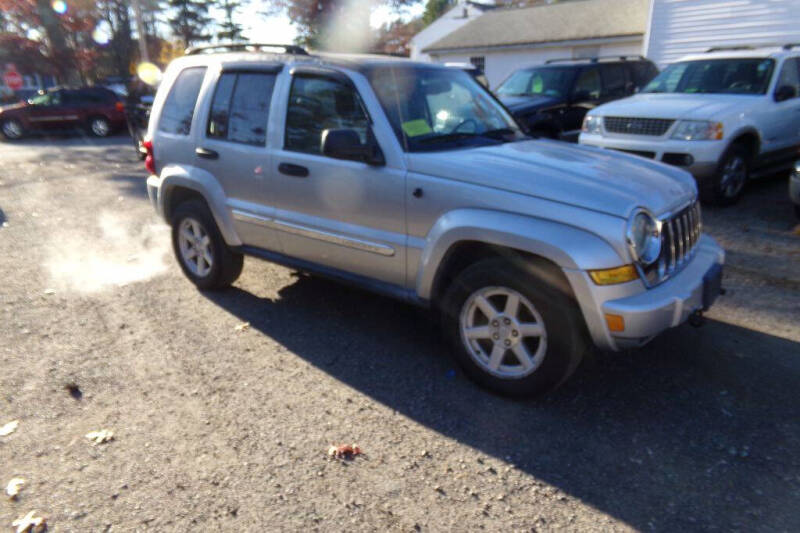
(705, 154)
(646, 312)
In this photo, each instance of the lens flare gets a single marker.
(149, 73)
(59, 6)
(101, 35)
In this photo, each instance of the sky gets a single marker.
(279, 30)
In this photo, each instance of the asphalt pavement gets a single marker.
(217, 425)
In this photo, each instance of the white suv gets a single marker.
(725, 116)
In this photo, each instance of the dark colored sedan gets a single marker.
(95, 109)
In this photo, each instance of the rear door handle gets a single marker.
(205, 153)
(293, 170)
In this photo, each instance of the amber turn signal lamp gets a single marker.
(615, 322)
(612, 276)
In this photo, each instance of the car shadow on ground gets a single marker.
(130, 185)
(698, 430)
(2, 218)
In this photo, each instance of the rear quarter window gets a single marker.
(178, 111)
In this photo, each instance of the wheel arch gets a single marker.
(179, 183)
(463, 236)
(749, 138)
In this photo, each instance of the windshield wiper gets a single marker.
(455, 136)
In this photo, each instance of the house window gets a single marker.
(479, 62)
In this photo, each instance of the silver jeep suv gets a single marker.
(410, 179)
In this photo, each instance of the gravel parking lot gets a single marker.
(223, 428)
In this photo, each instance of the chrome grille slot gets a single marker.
(680, 234)
(654, 127)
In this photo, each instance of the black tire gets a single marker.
(11, 129)
(717, 189)
(226, 265)
(566, 336)
(99, 126)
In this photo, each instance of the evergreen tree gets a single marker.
(189, 19)
(228, 29)
(435, 9)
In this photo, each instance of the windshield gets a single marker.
(439, 109)
(719, 76)
(548, 81)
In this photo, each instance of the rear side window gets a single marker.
(614, 80)
(176, 117)
(642, 72)
(240, 109)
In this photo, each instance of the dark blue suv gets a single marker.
(551, 100)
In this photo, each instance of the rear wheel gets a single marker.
(12, 129)
(201, 251)
(726, 186)
(510, 330)
(99, 126)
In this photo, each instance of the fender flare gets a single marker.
(205, 185)
(567, 246)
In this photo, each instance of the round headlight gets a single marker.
(644, 237)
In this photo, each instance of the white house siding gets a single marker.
(444, 25)
(681, 27)
(501, 63)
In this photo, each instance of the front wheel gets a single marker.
(201, 251)
(726, 185)
(510, 330)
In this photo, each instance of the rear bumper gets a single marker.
(645, 312)
(153, 194)
(794, 184)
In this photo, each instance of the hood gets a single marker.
(678, 106)
(602, 180)
(516, 104)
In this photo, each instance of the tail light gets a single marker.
(119, 107)
(150, 160)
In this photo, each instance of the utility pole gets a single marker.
(137, 16)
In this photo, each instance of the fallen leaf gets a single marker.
(243, 327)
(9, 428)
(30, 523)
(345, 451)
(49, 291)
(13, 487)
(100, 437)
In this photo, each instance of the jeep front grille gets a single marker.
(679, 236)
(655, 127)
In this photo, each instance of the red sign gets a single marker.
(13, 80)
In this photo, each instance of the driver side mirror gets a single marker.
(346, 144)
(785, 92)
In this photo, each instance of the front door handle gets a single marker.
(205, 153)
(296, 171)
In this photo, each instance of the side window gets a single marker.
(614, 80)
(317, 104)
(588, 86)
(642, 72)
(790, 75)
(240, 109)
(176, 116)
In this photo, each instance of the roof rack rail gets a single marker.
(789, 46)
(245, 47)
(594, 59)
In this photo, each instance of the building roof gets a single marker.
(564, 21)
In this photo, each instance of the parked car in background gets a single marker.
(551, 100)
(412, 180)
(794, 188)
(95, 109)
(725, 116)
(473, 70)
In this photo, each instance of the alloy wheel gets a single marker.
(100, 127)
(12, 129)
(734, 175)
(503, 332)
(195, 246)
